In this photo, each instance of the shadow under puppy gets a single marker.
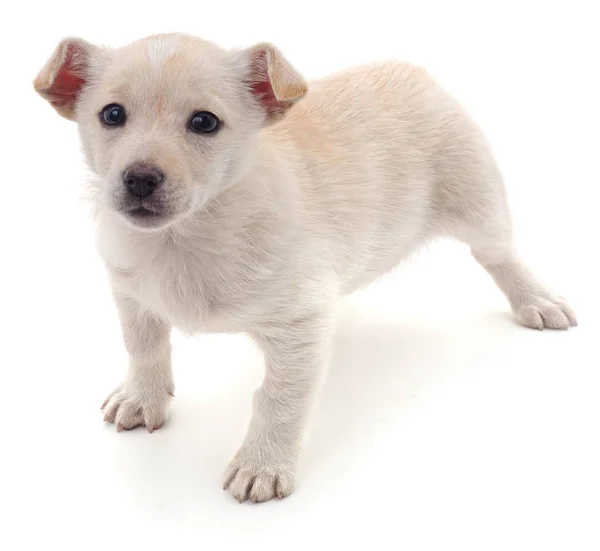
(230, 197)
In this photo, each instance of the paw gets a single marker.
(252, 476)
(129, 407)
(546, 312)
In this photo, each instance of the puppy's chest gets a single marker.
(181, 289)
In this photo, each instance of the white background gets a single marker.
(443, 425)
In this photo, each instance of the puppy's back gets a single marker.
(384, 147)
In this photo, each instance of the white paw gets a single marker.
(252, 475)
(545, 312)
(129, 407)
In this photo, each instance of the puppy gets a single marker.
(231, 198)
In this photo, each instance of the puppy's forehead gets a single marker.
(172, 67)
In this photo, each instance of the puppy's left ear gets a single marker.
(272, 80)
(65, 74)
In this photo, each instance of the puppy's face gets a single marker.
(169, 122)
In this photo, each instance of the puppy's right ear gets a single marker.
(65, 74)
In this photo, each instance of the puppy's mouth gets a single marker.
(145, 216)
(143, 213)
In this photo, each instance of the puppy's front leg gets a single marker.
(143, 397)
(295, 356)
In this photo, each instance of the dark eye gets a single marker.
(205, 122)
(113, 115)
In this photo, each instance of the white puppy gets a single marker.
(230, 198)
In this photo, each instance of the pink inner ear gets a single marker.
(262, 88)
(67, 84)
(265, 93)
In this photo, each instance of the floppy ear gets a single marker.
(273, 81)
(65, 74)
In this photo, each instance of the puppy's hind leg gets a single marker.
(487, 229)
(534, 304)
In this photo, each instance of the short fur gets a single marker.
(300, 198)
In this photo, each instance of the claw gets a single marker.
(151, 429)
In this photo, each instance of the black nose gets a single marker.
(141, 180)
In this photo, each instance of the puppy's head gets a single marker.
(170, 121)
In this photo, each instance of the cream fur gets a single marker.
(270, 221)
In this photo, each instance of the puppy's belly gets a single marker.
(395, 241)
(380, 265)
